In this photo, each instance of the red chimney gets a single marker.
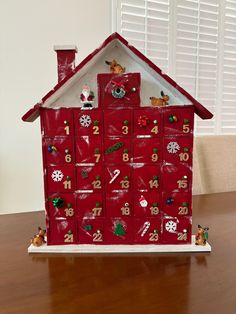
(65, 60)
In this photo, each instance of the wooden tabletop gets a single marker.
(123, 283)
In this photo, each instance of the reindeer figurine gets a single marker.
(160, 102)
(115, 67)
(39, 239)
(202, 235)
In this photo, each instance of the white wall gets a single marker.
(28, 31)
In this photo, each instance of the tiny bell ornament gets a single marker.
(87, 97)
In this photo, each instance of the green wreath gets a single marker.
(118, 92)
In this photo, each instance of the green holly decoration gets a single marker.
(186, 121)
(119, 230)
(70, 232)
(185, 149)
(98, 204)
(98, 177)
(126, 150)
(155, 178)
(155, 231)
(185, 204)
(126, 122)
(58, 202)
(96, 151)
(96, 122)
(155, 150)
(155, 204)
(126, 178)
(171, 119)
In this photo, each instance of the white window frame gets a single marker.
(218, 126)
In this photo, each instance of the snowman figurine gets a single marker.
(142, 201)
(87, 97)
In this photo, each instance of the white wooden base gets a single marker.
(120, 248)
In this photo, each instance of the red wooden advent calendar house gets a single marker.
(117, 170)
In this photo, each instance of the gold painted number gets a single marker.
(125, 211)
(182, 236)
(155, 129)
(97, 156)
(183, 156)
(67, 130)
(186, 128)
(125, 129)
(97, 237)
(183, 210)
(97, 184)
(97, 211)
(96, 129)
(182, 184)
(68, 238)
(68, 158)
(154, 210)
(153, 184)
(67, 184)
(124, 184)
(153, 237)
(154, 157)
(69, 212)
(125, 157)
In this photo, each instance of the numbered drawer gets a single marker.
(88, 122)
(57, 122)
(176, 230)
(147, 122)
(178, 149)
(147, 178)
(178, 120)
(147, 231)
(119, 204)
(89, 178)
(61, 178)
(119, 90)
(177, 178)
(58, 151)
(61, 205)
(62, 231)
(177, 204)
(118, 178)
(147, 204)
(88, 149)
(118, 150)
(90, 205)
(91, 231)
(118, 122)
(119, 230)
(147, 150)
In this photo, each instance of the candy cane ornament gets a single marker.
(116, 174)
(146, 226)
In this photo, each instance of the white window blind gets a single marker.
(194, 41)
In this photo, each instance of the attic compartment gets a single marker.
(151, 82)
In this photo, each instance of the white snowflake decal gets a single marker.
(171, 226)
(173, 147)
(85, 120)
(57, 175)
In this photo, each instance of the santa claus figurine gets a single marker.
(143, 202)
(87, 97)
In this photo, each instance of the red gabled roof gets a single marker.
(200, 110)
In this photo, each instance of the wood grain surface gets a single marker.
(122, 283)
